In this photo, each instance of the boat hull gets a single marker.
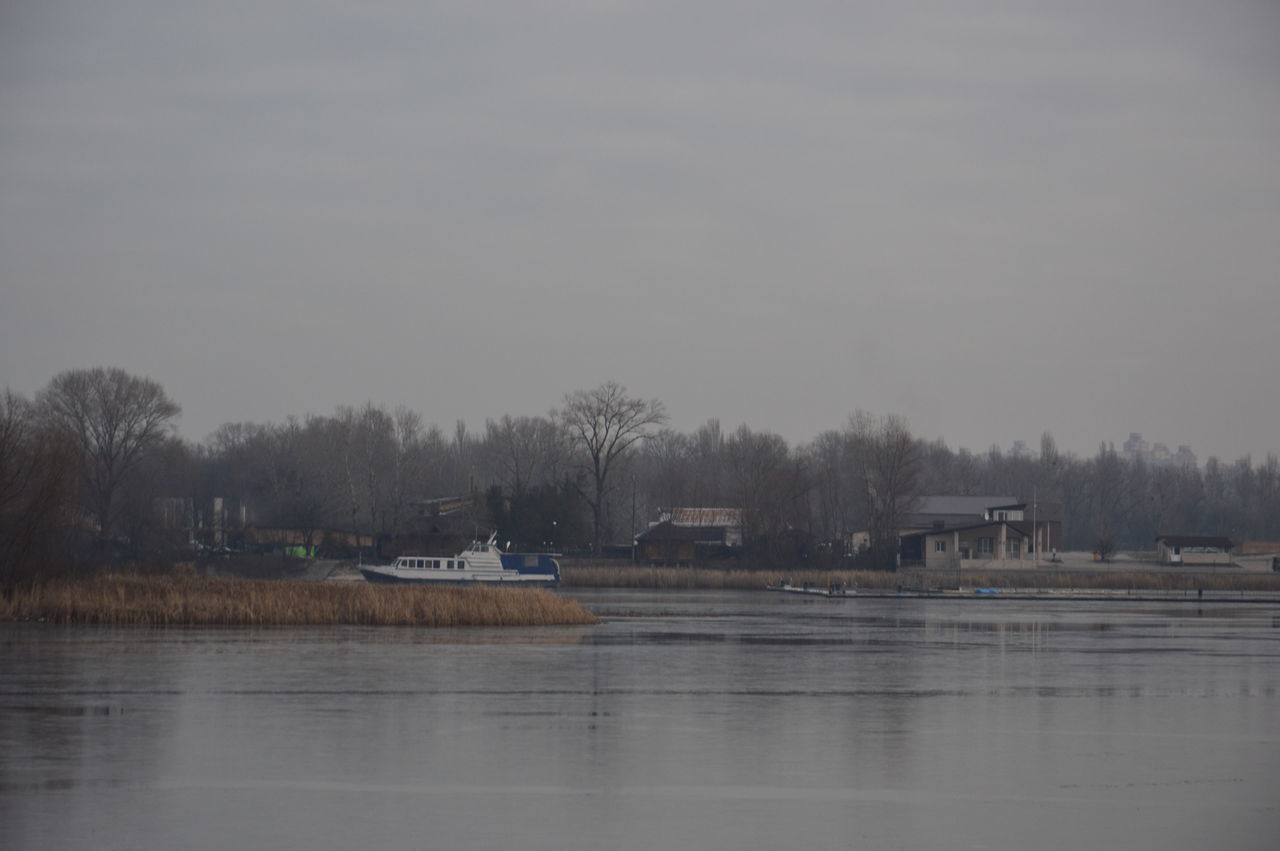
(525, 581)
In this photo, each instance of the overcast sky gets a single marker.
(994, 218)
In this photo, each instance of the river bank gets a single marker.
(135, 600)
(1181, 582)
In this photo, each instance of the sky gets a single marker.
(995, 219)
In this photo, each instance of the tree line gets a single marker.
(89, 465)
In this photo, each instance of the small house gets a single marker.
(1193, 549)
(685, 535)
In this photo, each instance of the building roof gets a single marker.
(961, 504)
(702, 517)
(1195, 541)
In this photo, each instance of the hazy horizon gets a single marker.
(996, 220)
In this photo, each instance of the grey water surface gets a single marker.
(684, 720)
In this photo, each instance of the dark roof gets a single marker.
(928, 521)
(1195, 541)
(960, 504)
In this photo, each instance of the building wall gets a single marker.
(1205, 558)
(957, 542)
(667, 551)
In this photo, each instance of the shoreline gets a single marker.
(1051, 582)
(1078, 595)
(177, 598)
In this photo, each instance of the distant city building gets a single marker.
(1020, 449)
(1157, 455)
(1135, 447)
(1185, 457)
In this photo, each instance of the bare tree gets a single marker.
(116, 420)
(770, 483)
(37, 478)
(831, 491)
(889, 460)
(666, 471)
(366, 437)
(302, 479)
(524, 451)
(1104, 547)
(603, 424)
(407, 466)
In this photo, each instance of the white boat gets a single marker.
(829, 591)
(478, 563)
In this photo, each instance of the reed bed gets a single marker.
(124, 600)
(683, 578)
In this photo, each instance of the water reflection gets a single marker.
(695, 720)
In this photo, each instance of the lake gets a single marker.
(685, 720)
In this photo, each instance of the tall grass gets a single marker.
(188, 601)
(675, 578)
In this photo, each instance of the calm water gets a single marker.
(701, 720)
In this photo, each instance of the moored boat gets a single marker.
(834, 590)
(479, 563)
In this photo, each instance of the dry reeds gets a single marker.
(683, 578)
(185, 601)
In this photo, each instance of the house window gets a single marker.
(1013, 549)
(986, 546)
(939, 546)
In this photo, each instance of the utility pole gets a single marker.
(1035, 529)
